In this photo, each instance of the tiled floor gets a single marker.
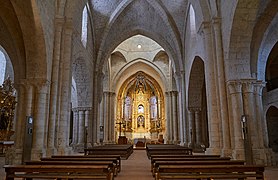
(137, 167)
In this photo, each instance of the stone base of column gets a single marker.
(51, 151)
(78, 148)
(238, 154)
(227, 153)
(64, 150)
(13, 156)
(37, 154)
(215, 151)
(264, 157)
(199, 148)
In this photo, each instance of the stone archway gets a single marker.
(140, 107)
(197, 107)
(272, 126)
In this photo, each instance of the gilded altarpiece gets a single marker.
(140, 108)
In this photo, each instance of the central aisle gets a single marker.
(136, 167)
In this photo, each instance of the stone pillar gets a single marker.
(182, 109)
(112, 102)
(211, 92)
(105, 117)
(261, 123)
(65, 93)
(236, 113)
(191, 127)
(75, 127)
(226, 149)
(20, 122)
(249, 111)
(53, 106)
(168, 119)
(40, 115)
(198, 128)
(81, 127)
(174, 113)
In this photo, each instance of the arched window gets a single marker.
(84, 33)
(2, 67)
(153, 104)
(192, 20)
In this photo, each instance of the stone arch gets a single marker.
(132, 67)
(8, 71)
(272, 125)
(196, 83)
(108, 46)
(263, 39)
(197, 106)
(29, 18)
(140, 122)
(11, 39)
(239, 44)
(271, 73)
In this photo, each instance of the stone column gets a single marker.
(198, 128)
(236, 113)
(75, 127)
(191, 127)
(105, 117)
(53, 107)
(112, 103)
(81, 127)
(65, 93)
(40, 115)
(168, 119)
(20, 122)
(261, 123)
(175, 117)
(211, 92)
(182, 109)
(249, 111)
(226, 149)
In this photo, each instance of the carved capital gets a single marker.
(234, 87)
(258, 87)
(248, 85)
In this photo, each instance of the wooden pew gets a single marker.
(160, 149)
(209, 172)
(111, 164)
(124, 150)
(191, 158)
(58, 172)
(86, 159)
(97, 157)
(183, 156)
(157, 164)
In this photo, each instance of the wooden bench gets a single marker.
(209, 172)
(124, 150)
(58, 172)
(157, 164)
(96, 157)
(111, 164)
(87, 159)
(183, 156)
(165, 149)
(192, 158)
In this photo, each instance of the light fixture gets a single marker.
(139, 46)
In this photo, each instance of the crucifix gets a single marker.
(120, 123)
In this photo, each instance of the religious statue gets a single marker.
(140, 121)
